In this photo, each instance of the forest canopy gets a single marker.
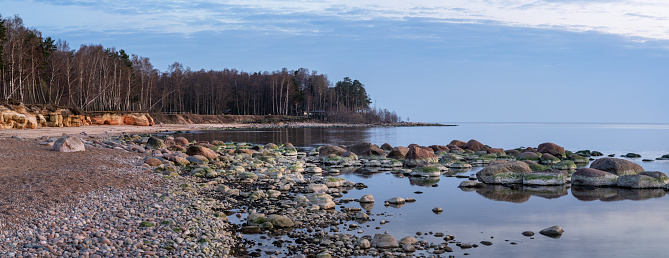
(40, 70)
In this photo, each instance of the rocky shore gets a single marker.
(227, 199)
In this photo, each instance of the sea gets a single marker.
(597, 222)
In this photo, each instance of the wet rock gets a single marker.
(437, 210)
(617, 166)
(69, 144)
(593, 177)
(651, 179)
(632, 155)
(566, 165)
(554, 231)
(510, 172)
(548, 159)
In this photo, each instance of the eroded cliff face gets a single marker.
(20, 116)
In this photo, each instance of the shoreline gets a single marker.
(101, 131)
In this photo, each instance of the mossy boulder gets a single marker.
(651, 179)
(509, 172)
(528, 156)
(566, 165)
(535, 166)
(548, 159)
(593, 177)
(426, 171)
(545, 177)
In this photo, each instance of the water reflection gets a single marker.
(609, 194)
(424, 181)
(297, 136)
(519, 193)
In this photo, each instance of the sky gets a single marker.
(601, 61)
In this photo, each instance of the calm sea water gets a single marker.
(603, 222)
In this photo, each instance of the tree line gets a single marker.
(40, 70)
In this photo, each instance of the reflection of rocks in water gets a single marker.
(591, 193)
(636, 194)
(512, 193)
(423, 181)
(367, 206)
(548, 192)
(610, 194)
(397, 205)
(453, 172)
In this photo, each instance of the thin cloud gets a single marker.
(634, 19)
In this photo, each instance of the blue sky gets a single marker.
(448, 61)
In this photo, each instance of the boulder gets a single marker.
(548, 159)
(551, 148)
(316, 188)
(367, 150)
(384, 240)
(593, 177)
(326, 150)
(396, 200)
(69, 144)
(566, 165)
(438, 148)
(398, 152)
(324, 201)
(475, 145)
(509, 172)
(201, 150)
(154, 162)
(386, 146)
(545, 177)
(280, 221)
(495, 151)
(650, 179)
(617, 166)
(528, 156)
(418, 155)
(512, 152)
(367, 198)
(426, 171)
(181, 141)
(155, 144)
(457, 143)
(554, 231)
